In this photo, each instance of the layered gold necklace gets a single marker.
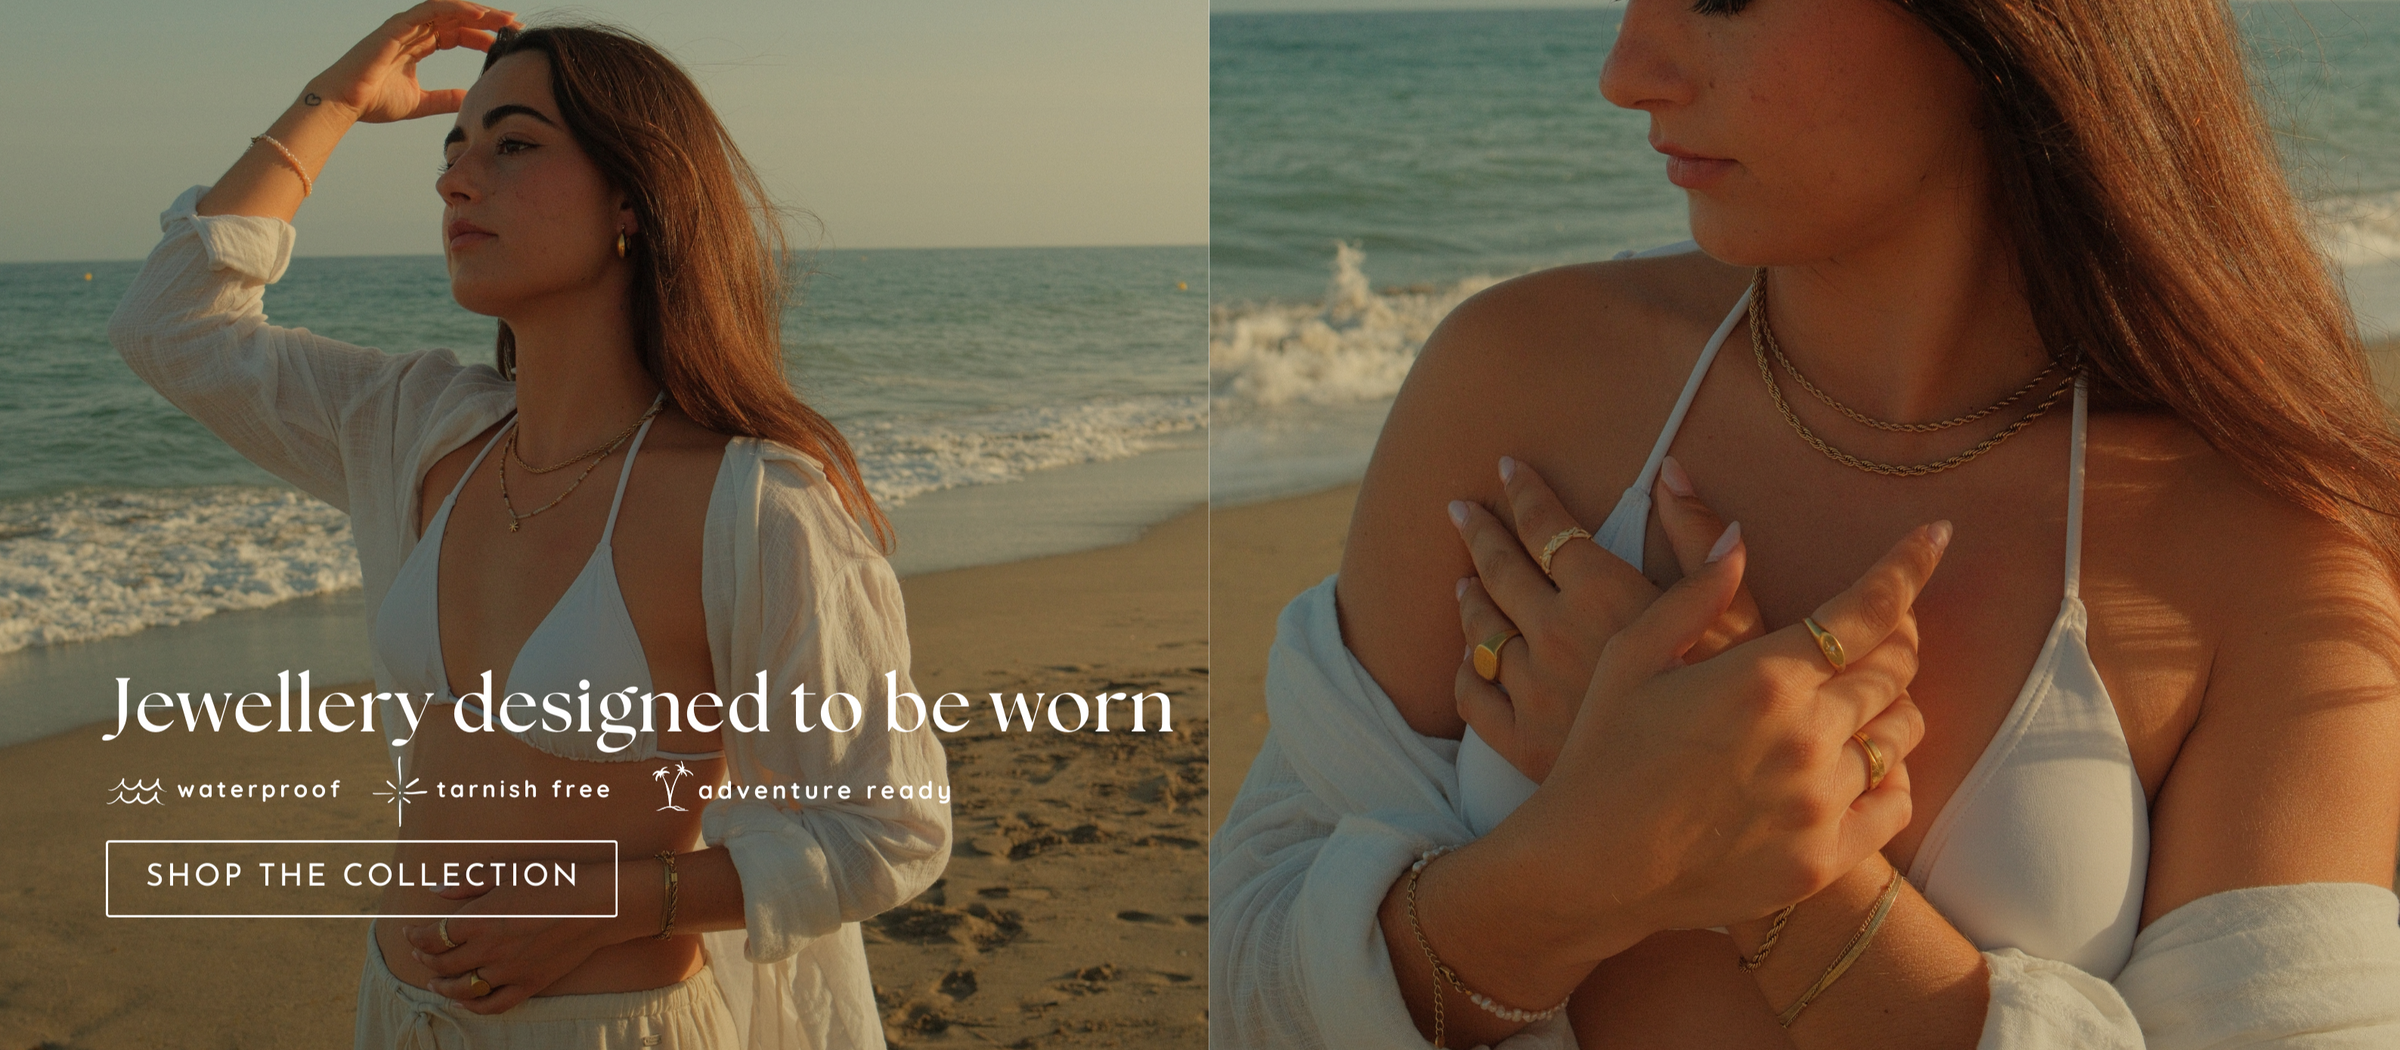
(515, 520)
(1762, 344)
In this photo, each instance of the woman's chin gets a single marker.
(1751, 241)
(476, 297)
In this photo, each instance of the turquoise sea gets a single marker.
(1368, 170)
(1004, 403)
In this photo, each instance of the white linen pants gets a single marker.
(393, 1015)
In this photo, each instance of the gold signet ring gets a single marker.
(1487, 654)
(1826, 642)
(1550, 550)
(443, 929)
(1876, 766)
(475, 982)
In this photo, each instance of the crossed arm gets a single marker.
(2284, 778)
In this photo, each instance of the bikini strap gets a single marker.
(478, 460)
(2075, 497)
(1691, 386)
(625, 473)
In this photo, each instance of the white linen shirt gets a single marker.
(789, 581)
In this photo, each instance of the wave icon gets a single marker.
(131, 794)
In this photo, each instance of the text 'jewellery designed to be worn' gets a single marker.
(1762, 344)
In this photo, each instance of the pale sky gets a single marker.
(899, 123)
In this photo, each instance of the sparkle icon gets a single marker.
(400, 791)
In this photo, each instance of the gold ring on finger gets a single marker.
(442, 929)
(1876, 766)
(1550, 550)
(477, 987)
(1487, 654)
(1826, 643)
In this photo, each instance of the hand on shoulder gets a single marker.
(1571, 370)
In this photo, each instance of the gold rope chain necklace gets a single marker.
(1762, 338)
(515, 519)
(601, 449)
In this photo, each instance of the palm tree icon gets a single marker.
(660, 775)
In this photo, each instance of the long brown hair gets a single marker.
(710, 280)
(2157, 235)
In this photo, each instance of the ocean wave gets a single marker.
(904, 458)
(101, 563)
(1355, 345)
(2361, 230)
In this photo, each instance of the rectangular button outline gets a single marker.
(107, 886)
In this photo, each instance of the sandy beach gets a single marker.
(1073, 912)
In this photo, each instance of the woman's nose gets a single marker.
(1645, 68)
(453, 184)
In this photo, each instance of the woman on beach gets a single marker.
(593, 203)
(2061, 331)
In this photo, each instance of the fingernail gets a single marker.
(1508, 469)
(1733, 535)
(1461, 592)
(1940, 535)
(1458, 512)
(1677, 481)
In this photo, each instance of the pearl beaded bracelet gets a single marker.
(307, 185)
(1442, 971)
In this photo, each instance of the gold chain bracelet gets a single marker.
(1850, 952)
(1442, 971)
(1759, 958)
(667, 926)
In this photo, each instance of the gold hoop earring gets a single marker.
(620, 244)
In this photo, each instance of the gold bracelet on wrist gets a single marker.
(1759, 958)
(667, 924)
(1850, 952)
(1442, 971)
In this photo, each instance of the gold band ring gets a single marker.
(1826, 643)
(1550, 550)
(475, 980)
(443, 928)
(1487, 654)
(1876, 766)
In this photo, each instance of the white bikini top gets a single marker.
(2046, 844)
(585, 647)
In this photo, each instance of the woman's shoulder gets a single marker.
(1569, 369)
(2209, 536)
(1589, 356)
(798, 504)
(1622, 309)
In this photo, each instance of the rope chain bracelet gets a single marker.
(1759, 957)
(1443, 973)
(1850, 952)
(667, 926)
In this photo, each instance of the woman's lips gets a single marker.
(468, 239)
(1696, 173)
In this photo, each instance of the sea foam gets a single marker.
(96, 563)
(2361, 230)
(1355, 345)
(910, 457)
